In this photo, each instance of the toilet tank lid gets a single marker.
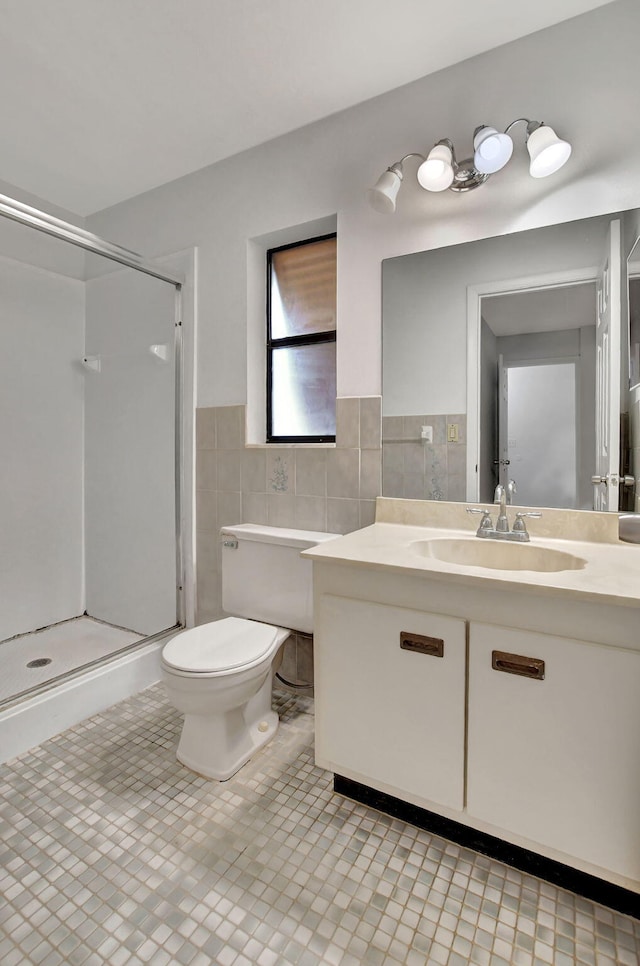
(284, 536)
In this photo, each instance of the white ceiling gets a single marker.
(104, 99)
(542, 310)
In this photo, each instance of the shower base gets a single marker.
(110, 664)
(34, 659)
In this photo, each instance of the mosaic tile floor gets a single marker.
(112, 853)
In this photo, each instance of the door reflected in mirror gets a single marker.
(506, 359)
(537, 404)
(633, 272)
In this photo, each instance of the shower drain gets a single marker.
(40, 662)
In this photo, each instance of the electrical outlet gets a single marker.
(427, 434)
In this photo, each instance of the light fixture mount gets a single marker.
(466, 177)
(440, 170)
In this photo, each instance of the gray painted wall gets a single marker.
(325, 168)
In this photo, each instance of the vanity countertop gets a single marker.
(611, 573)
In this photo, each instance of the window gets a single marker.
(301, 342)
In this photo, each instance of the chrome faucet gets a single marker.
(500, 496)
(511, 490)
(502, 531)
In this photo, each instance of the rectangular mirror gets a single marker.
(508, 359)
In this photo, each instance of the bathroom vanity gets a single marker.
(498, 696)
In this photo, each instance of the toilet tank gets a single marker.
(264, 577)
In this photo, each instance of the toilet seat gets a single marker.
(220, 647)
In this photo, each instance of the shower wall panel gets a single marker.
(41, 438)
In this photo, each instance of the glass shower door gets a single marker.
(130, 496)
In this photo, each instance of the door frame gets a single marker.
(475, 294)
(633, 273)
(185, 262)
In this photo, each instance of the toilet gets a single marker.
(219, 675)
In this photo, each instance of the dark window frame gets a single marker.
(291, 341)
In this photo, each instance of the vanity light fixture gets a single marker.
(492, 150)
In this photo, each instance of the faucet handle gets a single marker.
(519, 526)
(485, 523)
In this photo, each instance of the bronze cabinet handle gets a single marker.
(421, 644)
(526, 667)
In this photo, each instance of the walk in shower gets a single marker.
(90, 561)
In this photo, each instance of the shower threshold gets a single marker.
(34, 662)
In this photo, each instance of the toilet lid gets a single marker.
(219, 646)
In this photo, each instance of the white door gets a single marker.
(606, 478)
(542, 432)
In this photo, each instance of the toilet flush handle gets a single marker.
(230, 542)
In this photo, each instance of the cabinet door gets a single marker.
(558, 760)
(394, 717)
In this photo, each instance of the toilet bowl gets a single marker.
(220, 674)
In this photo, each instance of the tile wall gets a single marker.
(330, 488)
(416, 470)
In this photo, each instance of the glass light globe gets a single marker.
(547, 151)
(382, 197)
(436, 173)
(492, 150)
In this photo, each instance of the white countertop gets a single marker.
(611, 574)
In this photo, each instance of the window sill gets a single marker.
(290, 445)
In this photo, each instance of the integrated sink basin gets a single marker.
(498, 555)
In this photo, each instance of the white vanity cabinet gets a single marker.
(550, 765)
(556, 758)
(391, 715)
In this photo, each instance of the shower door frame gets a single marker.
(40, 221)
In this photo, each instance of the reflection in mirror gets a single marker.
(537, 407)
(490, 356)
(633, 272)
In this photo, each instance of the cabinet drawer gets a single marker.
(557, 759)
(391, 714)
